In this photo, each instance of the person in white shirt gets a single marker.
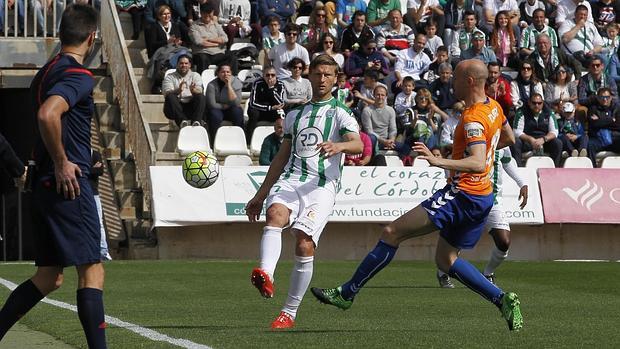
(283, 53)
(580, 37)
(234, 17)
(420, 11)
(298, 90)
(411, 62)
(566, 10)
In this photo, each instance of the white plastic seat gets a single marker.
(259, 135)
(191, 139)
(207, 76)
(417, 162)
(603, 154)
(575, 162)
(393, 161)
(539, 162)
(243, 74)
(611, 162)
(238, 160)
(230, 140)
(241, 45)
(302, 20)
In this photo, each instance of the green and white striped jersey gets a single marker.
(503, 166)
(307, 126)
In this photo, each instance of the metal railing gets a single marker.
(31, 18)
(137, 129)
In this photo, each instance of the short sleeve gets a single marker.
(75, 85)
(347, 123)
(473, 126)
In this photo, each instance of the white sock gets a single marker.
(270, 248)
(300, 280)
(497, 257)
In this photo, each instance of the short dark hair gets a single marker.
(409, 79)
(207, 8)
(291, 27)
(373, 74)
(359, 13)
(77, 24)
(430, 23)
(538, 10)
(603, 90)
(296, 60)
(185, 55)
(581, 8)
(442, 49)
(470, 13)
(272, 19)
(219, 67)
(493, 64)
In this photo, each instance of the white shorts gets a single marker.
(497, 219)
(310, 206)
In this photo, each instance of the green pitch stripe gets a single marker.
(295, 128)
(304, 162)
(326, 132)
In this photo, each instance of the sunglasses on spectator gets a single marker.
(291, 34)
(595, 65)
(604, 97)
(298, 67)
(526, 68)
(372, 48)
(320, 15)
(328, 42)
(536, 103)
(270, 75)
(424, 98)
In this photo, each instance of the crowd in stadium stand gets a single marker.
(553, 66)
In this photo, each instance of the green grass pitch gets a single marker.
(565, 305)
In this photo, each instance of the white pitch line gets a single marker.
(142, 331)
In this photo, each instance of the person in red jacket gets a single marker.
(498, 87)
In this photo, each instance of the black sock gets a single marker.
(21, 300)
(90, 311)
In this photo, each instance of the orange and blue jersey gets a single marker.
(480, 124)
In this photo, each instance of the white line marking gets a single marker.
(581, 260)
(142, 331)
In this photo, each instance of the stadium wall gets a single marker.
(346, 241)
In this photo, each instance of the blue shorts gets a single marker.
(460, 217)
(67, 232)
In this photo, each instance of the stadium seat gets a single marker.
(191, 139)
(302, 20)
(241, 45)
(417, 162)
(575, 162)
(539, 162)
(238, 160)
(393, 161)
(258, 137)
(230, 140)
(207, 76)
(611, 162)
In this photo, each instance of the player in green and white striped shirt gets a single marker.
(301, 184)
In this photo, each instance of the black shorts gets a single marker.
(67, 232)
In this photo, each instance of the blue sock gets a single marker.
(376, 260)
(21, 300)
(90, 311)
(471, 277)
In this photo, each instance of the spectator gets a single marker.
(298, 89)
(283, 53)
(580, 37)
(182, 91)
(224, 99)
(272, 37)
(560, 89)
(478, 50)
(566, 11)
(595, 79)
(266, 100)
(455, 11)
(461, 40)
(421, 11)
(379, 121)
(574, 140)
(364, 158)
(317, 27)
(441, 56)
(134, 7)
(603, 124)
(346, 11)
(271, 143)
(365, 94)
(412, 62)
(234, 17)
(503, 40)
(531, 33)
(327, 46)
(404, 100)
(193, 9)
(547, 58)
(162, 33)
(367, 58)
(355, 34)
(527, 9)
(378, 11)
(499, 88)
(524, 86)
(442, 90)
(433, 41)
(343, 91)
(282, 9)
(535, 129)
(493, 7)
(611, 43)
(177, 7)
(426, 120)
(605, 12)
(97, 170)
(446, 138)
(394, 36)
(209, 42)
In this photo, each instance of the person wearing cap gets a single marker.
(479, 50)
(572, 134)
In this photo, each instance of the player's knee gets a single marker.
(390, 233)
(503, 243)
(304, 245)
(277, 216)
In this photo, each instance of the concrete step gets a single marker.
(103, 90)
(124, 175)
(126, 24)
(144, 84)
(138, 56)
(149, 98)
(154, 112)
(168, 159)
(113, 139)
(111, 153)
(109, 116)
(165, 136)
(129, 197)
(140, 43)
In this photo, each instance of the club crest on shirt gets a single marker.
(330, 113)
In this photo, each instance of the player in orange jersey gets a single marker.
(459, 210)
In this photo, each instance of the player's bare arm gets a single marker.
(49, 119)
(475, 163)
(352, 145)
(255, 205)
(506, 137)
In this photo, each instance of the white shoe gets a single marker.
(574, 153)
(583, 153)
(196, 123)
(184, 123)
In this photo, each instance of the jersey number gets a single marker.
(491, 151)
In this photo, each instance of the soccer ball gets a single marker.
(200, 169)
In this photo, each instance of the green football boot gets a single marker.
(511, 311)
(331, 296)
